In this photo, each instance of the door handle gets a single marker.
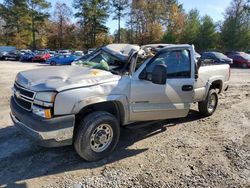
(187, 88)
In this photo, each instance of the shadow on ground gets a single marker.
(21, 160)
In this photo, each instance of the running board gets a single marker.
(138, 125)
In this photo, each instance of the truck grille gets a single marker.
(24, 104)
(23, 97)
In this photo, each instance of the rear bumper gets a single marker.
(53, 132)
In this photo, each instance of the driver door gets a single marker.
(151, 101)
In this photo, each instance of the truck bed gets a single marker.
(207, 74)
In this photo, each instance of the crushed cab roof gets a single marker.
(121, 51)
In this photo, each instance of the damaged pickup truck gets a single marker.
(86, 104)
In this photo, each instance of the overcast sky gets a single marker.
(213, 8)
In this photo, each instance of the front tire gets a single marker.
(209, 105)
(97, 136)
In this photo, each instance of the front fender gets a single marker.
(98, 99)
(72, 102)
(69, 106)
(121, 99)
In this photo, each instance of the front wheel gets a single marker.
(97, 136)
(209, 105)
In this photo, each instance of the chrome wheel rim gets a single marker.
(101, 138)
(212, 103)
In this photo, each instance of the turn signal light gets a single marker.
(47, 113)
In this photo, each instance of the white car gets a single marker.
(78, 53)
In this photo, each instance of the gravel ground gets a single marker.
(188, 152)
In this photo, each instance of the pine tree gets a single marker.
(92, 16)
(14, 15)
(192, 27)
(119, 7)
(38, 15)
(235, 32)
(207, 37)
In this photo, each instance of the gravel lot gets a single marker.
(188, 152)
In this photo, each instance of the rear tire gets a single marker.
(53, 63)
(244, 65)
(97, 136)
(209, 105)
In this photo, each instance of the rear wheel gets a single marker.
(96, 136)
(209, 105)
(53, 63)
(244, 65)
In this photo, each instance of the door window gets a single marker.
(178, 64)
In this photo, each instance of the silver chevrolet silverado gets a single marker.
(86, 104)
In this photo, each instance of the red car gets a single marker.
(41, 57)
(240, 59)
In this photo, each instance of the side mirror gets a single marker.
(159, 74)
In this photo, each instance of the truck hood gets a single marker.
(63, 78)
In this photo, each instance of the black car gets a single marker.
(248, 51)
(4, 50)
(216, 57)
(13, 55)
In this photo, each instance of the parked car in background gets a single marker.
(24, 51)
(61, 60)
(52, 53)
(41, 56)
(240, 59)
(78, 53)
(248, 51)
(13, 55)
(197, 56)
(91, 50)
(230, 53)
(5, 50)
(27, 57)
(64, 52)
(216, 57)
(82, 58)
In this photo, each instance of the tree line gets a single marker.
(30, 24)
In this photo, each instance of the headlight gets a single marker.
(46, 113)
(46, 96)
(45, 99)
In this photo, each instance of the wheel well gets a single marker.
(216, 85)
(113, 107)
